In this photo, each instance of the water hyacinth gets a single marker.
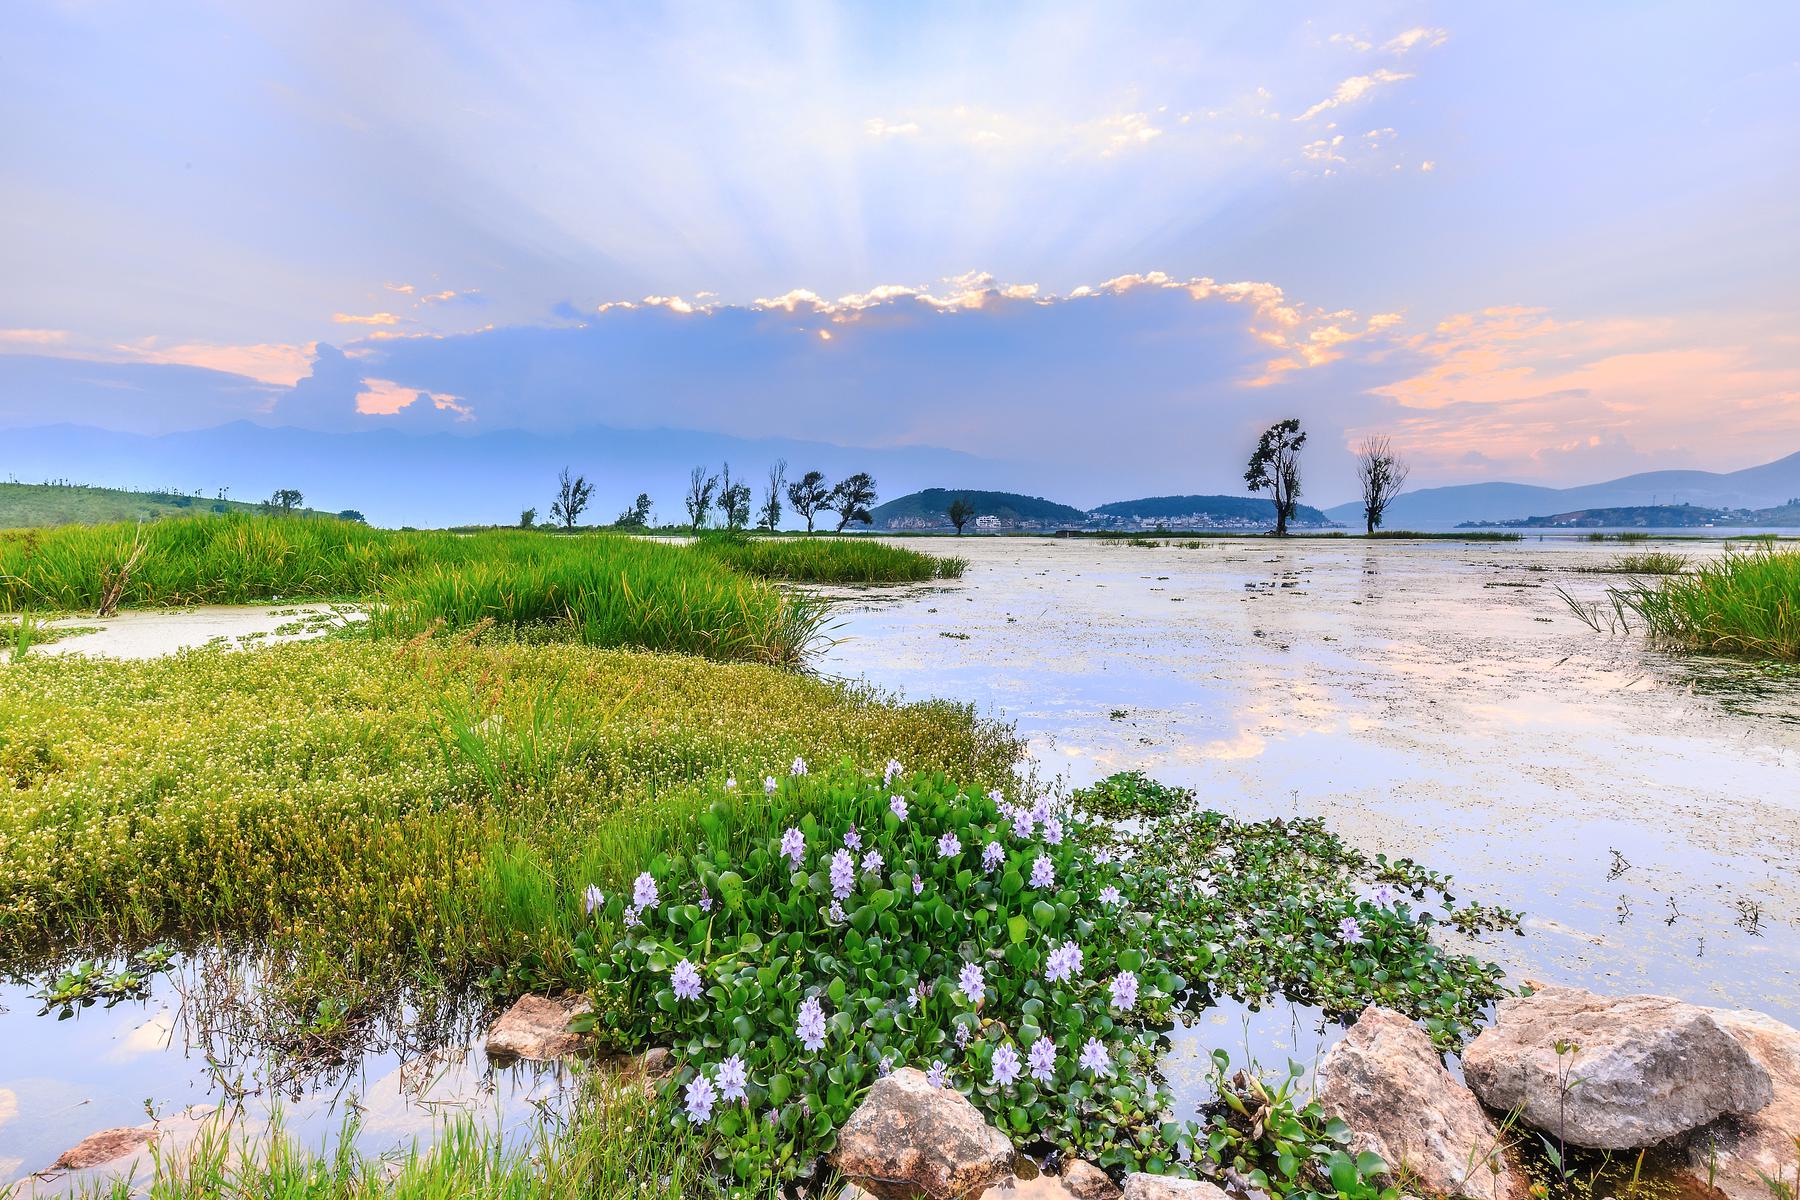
(1103, 855)
(843, 874)
(1041, 810)
(897, 806)
(872, 862)
(1095, 1059)
(918, 885)
(799, 766)
(970, 984)
(891, 773)
(1350, 930)
(1042, 1060)
(1064, 962)
(992, 855)
(1109, 896)
(949, 846)
(937, 1076)
(731, 783)
(633, 918)
(1125, 991)
(852, 839)
(769, 785)
(685, 980)
(699, 1103)
(885, 1067)
(594, 899)
(835, 913)
(705, 900)
(1053, 831)
(1043, 872)
(1023, 823)
(793, 844)
(643, 892)
(1005, 1065)
(1383, 897)
(733, 1078)
(963, 1035)
(810, 1027)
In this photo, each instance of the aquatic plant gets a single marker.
(829, 559)
(1649, 562)
(1739, 603)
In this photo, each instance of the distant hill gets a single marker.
(31, 505)
(1657, 516)
(927, 510)
(1771, 485)
(1207, 510)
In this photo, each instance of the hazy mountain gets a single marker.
(1767, 486)
(928, 509)
(1178, 510)
(397, 478)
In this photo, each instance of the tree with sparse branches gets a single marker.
(286, 500)
(809, 496)
(1275, 468)
(701, 487)
(851, 499)
(959, 512)
(734, 501)
(1382, 473)
(769, 515)
(638, 515)
(572, 495)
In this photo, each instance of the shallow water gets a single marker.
(1429, 699)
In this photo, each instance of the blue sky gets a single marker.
(1538, 241)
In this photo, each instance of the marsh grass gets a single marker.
(1648, 562)
(602, 589)
(1461, 535)
(1740, 603)
(828, 560)
(376, 816)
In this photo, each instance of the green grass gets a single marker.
(1740, 603)
(1649, 562)
(27, 505)
(379, 814)
(601, 589)
(1464, 535)
(828, 560)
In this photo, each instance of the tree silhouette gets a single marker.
(572, 495)
(699, 496)
(851, 499)
(959, 512)
(1382, 473)
(769, 515)
(1275, 468)
(809, 496)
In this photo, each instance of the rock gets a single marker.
(1388, 1083)
(102, 1147)
(1084, 1181)
(909, 1139)
(1649, 1067)
(537, 1028)
(1139, 1186)
(1729, 1154)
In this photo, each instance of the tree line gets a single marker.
(731, 497)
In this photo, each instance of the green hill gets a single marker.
(32, 505)
(1216, 510)
(927, 509)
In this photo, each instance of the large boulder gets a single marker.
(1734, 1154)
(537, 1028)
(1139, 1186)
(1084, 1181)
(103, 1147)
(909, 1139)
(1640, 1069)
(1388, 1083)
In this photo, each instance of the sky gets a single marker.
(1537, 241)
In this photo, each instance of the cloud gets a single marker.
(271, 363)
(1354, 89)
(36, 338)
(876, 127)
(380, 318)
(1416, 38)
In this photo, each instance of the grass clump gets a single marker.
(828, 560)
(1649, 562)
(1740, 603)
(380, 816)
(1461, 535)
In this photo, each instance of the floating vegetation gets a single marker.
(829, 559)
(84, 983)
(1131, 794)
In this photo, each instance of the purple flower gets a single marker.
(992, 855)
(1064, 962)
(793, 844)
(731, 783)
(1109, 895)
(852, 839)
(769, 785)
(962, 1035)
(685, 980)
(810, 1028)
(705, 900)
(643, 891)
(872, 862)
(897, 806)
(700, 1098)
(594, 898)
(891, 773)
(918, 884)
(1040, 809)
(835, 912)
(936, 1076)
(1350, 929)
(1383, 897)
(632, 919)
(1095, 1059)
(998, 797)
(1043, 872)
(1023, 822)
(843, 874)
(798, 767)
(1103, 855)
(1053, 831)
(1124, 991)
(949, 846)
(1005, 1065)
(1042, 1060)
(885, 1067)
(969, 983)
(733, 1078)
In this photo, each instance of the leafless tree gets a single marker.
(1382, 473)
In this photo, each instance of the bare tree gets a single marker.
(959, 512)
(734, 501)
(699, 496)
(851, 499)
(1382, 473)
(809, 496)
(572, 495)
(1275, 468)
(769, 515)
